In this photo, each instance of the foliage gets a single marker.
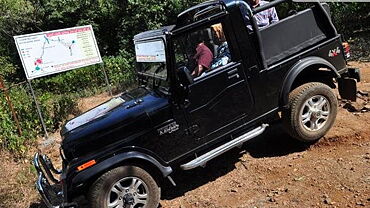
(115, 23)
(9, 137)
(347, 17)
(57, 96)
(350, 17)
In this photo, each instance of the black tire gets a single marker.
(304, 108)
(101, 189)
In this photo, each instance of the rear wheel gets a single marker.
(311, 113)
(125, 187)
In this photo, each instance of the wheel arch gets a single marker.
(297, 75)
(84, 179)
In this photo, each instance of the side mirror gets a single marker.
(184, 75)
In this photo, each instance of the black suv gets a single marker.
(117, 155)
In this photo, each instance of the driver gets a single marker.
(203, 58)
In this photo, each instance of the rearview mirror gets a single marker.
(184, 75)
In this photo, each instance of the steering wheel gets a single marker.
(162, 65)
(180, 64)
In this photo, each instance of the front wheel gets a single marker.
(124, 187)
(311, 113)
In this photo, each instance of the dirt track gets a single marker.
(276, 171)
(270, 171)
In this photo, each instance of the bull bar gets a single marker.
(51, 193)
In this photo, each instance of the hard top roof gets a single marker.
(153, 33)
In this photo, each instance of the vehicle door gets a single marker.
(219, 99)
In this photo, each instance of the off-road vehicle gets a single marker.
(119, 154)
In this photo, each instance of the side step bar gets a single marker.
(203, 159)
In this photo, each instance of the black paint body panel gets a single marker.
(228, 102)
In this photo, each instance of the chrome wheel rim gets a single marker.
(129, 192)
(315, 113)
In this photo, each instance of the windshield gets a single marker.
(151, 62)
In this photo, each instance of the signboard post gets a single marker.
(38, 110)
(107, 80)
(57, 51)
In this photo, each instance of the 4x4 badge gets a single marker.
(168, 129)
(334, 52)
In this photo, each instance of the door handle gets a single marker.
(232, 71)
(234, 76)
(186, 103)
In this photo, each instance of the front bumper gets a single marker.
(51, 193)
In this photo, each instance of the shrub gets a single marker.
(57, 96)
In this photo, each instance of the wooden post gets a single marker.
(8, 100)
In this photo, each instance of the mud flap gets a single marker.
(348, 84)
(347, 88)
(354, 73)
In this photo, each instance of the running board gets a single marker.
(203, 159)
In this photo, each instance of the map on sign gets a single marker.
(57, 51)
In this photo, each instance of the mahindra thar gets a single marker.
(119, 153)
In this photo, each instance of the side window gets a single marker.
(202, 51)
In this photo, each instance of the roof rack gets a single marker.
(198, 6)
(200, 11)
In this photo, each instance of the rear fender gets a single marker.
(300, 67)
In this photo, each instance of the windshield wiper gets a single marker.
(152, 75)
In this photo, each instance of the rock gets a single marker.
(328, 201)
(360, 204)
(234, 190)
(300, 178)
(366, 108)
(350, 107)
(271, 199)
(363, 93)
